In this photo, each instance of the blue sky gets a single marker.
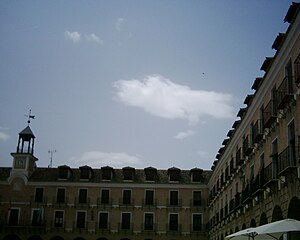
(130, 83)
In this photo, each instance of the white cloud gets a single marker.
(74, 36)
(185, 134)
(4, 136)
(161, 97)
(119, 24)
(98, 159)
(94, 38)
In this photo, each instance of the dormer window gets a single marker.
(64, 172)
(196, 174)
(128, 173)
(85, 173)
(107, 173)
(174, 174)
(150, 173)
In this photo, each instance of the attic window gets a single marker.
(63, 172)
(128, 173)
(174, 174)
(196, 174)
(107, 173)
(85, 173)
(150, 173)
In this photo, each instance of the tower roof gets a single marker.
(27, 132)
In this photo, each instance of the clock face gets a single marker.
(20, 163)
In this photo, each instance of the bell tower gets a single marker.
(24, 162)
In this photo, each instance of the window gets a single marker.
(104, 196)
(148, 221)
(82, 195)
(128, 173)
(13, 217)
(173, 198)
(60, 197)
(85, 173)
(37, 217)
(39, 194)
(126, 219)
(149, 194)
(106, 173)
(197, 222)
(80, 219)
(126, 196)
(197, 198)
(58, 218)
(173, 222)
(196, 177)
(103, 220)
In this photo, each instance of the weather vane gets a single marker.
(29, 116)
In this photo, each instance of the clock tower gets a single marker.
(23, 159)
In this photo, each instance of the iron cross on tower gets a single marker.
(29, 116)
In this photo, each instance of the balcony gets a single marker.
(149, 203)
(23, 228)
(149, 229)
(270, 174)
(102, 228)
(247, 194)
(258, 131)
(287, 159)
(173, 203)
(247, 146)
(270, 113)
(173, 229)
(239, 159)
(125, 227)
(104, 203)
(82, 202)
(257, 184)
(285, 92)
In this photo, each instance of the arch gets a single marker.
(244, 226)
(294, 209)
(102, 238)
(79, 238)
(57, 238)
(277, 214)
(11, 237)
(34, 237)
(252, 223)
(263, 219)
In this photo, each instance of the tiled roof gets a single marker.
(51, 175)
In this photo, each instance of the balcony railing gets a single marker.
(238, 157)
(270, 113)
(270, 173)
(287, 159)
(285, 92)
(104, 202)
(173, 228)
(258, 131)
(247, 146)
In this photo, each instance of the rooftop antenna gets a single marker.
(29, 116)
(51, 156)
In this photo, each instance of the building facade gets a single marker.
(256, 177)
(105, 203)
